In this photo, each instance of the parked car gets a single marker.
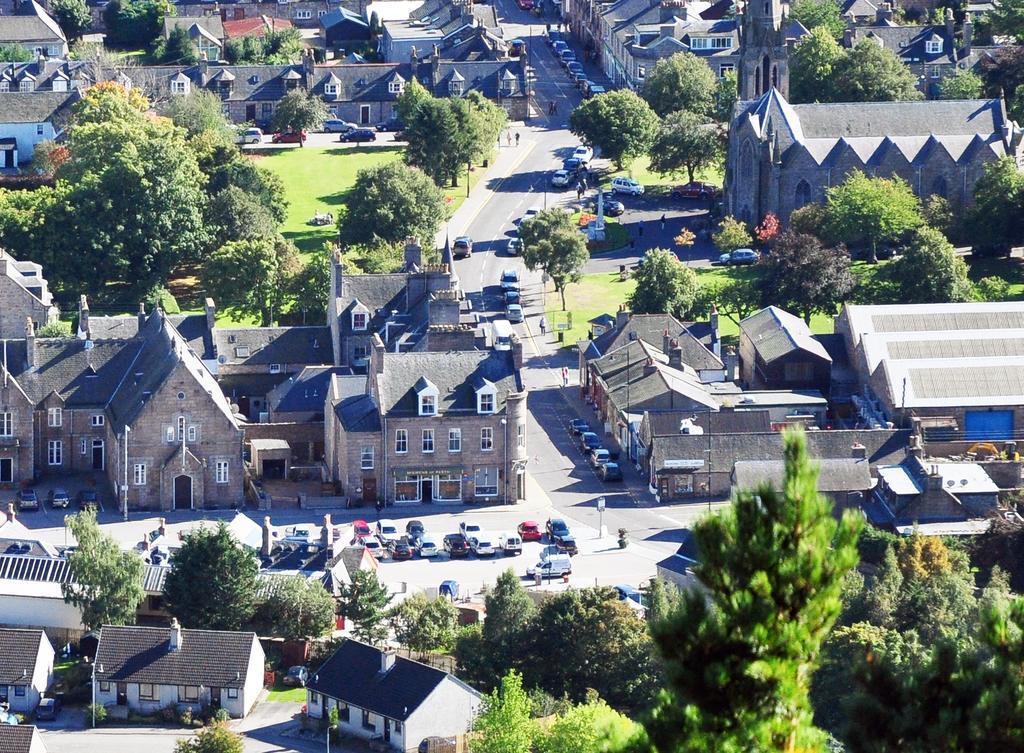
(696, 190)
(387, 530)
(525, 4)
(510, 279)
(612, 207)
(574, 66)
(529, 214)
(554, 566)
(360, 528)
(414, 529)
(427, 547)
(529, 530)
(579, 79)
(560, 178)
(557, 527)
(554, 36)
(250, 136)
(566, 544)
(28, 500)
(296, 677)
(573, 165)
(511, 296)
(514, 313)
(482, 545)
(392, 125)
(335, 125)
(469, 528)
(627, 185)
(577, 426)
(558, 45)
(400, 549)
(739, 257)
(588, 441)
(610, 472)
(511, 544)
(456, 545)
(516, 47)
(375, 547)
(47, 709)
(462, 247)
(59, 498)
(593, 90)
(358, 136)
(566, 56)
(88, 497)
(289, 137)
(599, 456)
(515, 246)
(630, 593)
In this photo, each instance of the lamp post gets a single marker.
(504, 426)
(600, 512)
(124, 488)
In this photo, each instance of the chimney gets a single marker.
(968, 35)
(413, 254)
(621, 316)
(10, 512)
(443, 308)
(3, 262)
(675, 355)
(950, 24)
(174, 644)
(161, 526)
(376, 355)
(83, 318)
(337, 271)
(387, 660)
(268, 537)
(848, 38)
(142, 316)
(30, 343)
(666, 341)
(308, 63)
(435, 62)
(204, 70)
(517, 352)
(934, 478)
(650, 367)
(327, 535)
(883, 13)
(858, 451)
(211, 313)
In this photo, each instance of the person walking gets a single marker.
(517, 138)
(508, 137)
(640, 230)
(662, 222)
(543, 325)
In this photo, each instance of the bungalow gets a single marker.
(20, 738)
(26, 669)
(148, 668)
(380, 696)
(33, 29)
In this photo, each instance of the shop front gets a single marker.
(428, 485)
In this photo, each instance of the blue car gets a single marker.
(589, 441)
(575, 67)
(572, 164)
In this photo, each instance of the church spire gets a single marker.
(764, 54)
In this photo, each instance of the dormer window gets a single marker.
(933, 46)
(5, 86)
(59, 85)
(25, 85)
(360, 320)
(427, 394)
(396, 86)
(331, 89)
(428, 405)
(455, 88)
(179, 87)
(485, 402)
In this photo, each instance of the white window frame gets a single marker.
(401, 441)
(98, 419)
(84, 447)
(232, 693)
(521, 435)
(222, 472)
(55, 452)
(275, 368)
(360, 316)
(428, 404)
(725, 69)
(484, 397)
(455, 440)
(711, 43)
(179, 87)
(427, 441)
(139, 474)
(54, 417)
(366, 458)
(933, 48)
(487, 439)
(331, 89)
(193, 433)
(396, 87)
(169, 433)
(6, 424)
(303, 15)
(455, 88)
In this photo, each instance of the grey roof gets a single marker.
(379, 294)
(212, 24)
(453, 372)
(939, 117)
(18, 651)
(30, 23)
(652, 328)
(214, 658)
(261, 83)
(267, 345)
(834, 474)
(859, 8)
(192, 328)
(908, 42)
(353, 676)
(358, 413)
(307, 390)
(49, 569)
(664, 423)
(343, 15)
(17, 738)
(35, 107)
(776, 333)
(80, 375)
(44, 71)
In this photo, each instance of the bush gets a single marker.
(162, 297)
(169, 713)
(186, 718)
(873, 544)
(96, 711)
(221, 715)
(55, 329)
(992, 289)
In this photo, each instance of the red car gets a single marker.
(529, 530)
(696, 190)
(360, 529)
(525, 4)
(289, 137)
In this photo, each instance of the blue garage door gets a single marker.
(988, 424)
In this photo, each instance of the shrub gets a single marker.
(186, 717)
(221, 715)
(96, 711)
(169, 713)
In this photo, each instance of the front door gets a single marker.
(97, 454)
(183, 493)
(369, 490)
(6, 470)
(122, 694)
(364, 114)
(250, 113)
(387, 730)
(427, 490)
(215, 697)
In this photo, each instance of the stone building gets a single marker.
(782, 156)
(24, 295)
(765, 40)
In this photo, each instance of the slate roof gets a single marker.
(17, 738)
(44, 71)
(212, 25)
(214, 658)
(267, 345)
(666, 423)
(36, 107)
(651, 328)
(908, 42)
(454, 373)
(192, 328)
(776, 333)
(358, 413)
(81, 375)
(307, 390)
(260, 83)
(353, 676)
(343, 15)
(379, 294)
(18, 652)
(30, 23)
(834, 474)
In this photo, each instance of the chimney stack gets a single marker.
(174, 644)
(387, 660)
(11, 516)
(621, 316)
(517, 352)
(413, 254)
(161, 526)
(268, 537)
(211, 313)
(968, 35)
(30, 343)
(950, 24)
(675, 355)
(376, 355)
(83, 318)
(858, 451)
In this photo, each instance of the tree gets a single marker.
(212, 581)
(726, 96)
(820, 13)
(214, 738)
(664, 285)
(686, 142)
(14, 53)
(132, 24)
(413, 95)
(740, 652)
(311, 284)
(586, 728)
(992, 288)
(869, 211)
(662, 598)
(273, 48)
(511, 609)
(1007, 19)
(964, 84)
(682, 81)
(552, 243)
(72, 16)
(234, 215)
(364, 601)
(177, 49)
(250, 275)
(487, 120)
(931, 271)
(737, 297)
(732, 234)
(803, 276)
(198, 112)
(106, 582)
(296, 609)
(993, 222)
(438, 142)
(812, 64)
(872, 73)
(265, 186)
(424, 625)
(619, 123)
(389, 203)
(505, 724)
(298, 111)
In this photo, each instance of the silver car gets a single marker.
(334, 125)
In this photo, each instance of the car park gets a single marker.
(610, 472)
(462, 247)
(88, 497)
(577, 426)
(297, 677)
(599, 456)
(509, 279)
(514, 313)
(554, 566)
(627, 186)
(588, 441)
(482, 545)
(289, 137)
(560, 178)
(335, 125)
(47, 709)
(427, 547)
(400, 549)
(28, 500)
(515, 246)
(557, 527)
(358, 136)
(566, 544)
(387, 530)
(529, 530)
(739, 257)
(510, 544)
(456, 545)
(250, 136)
(696, 190)
(59, 498)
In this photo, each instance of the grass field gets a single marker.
(281, 694)
(641, 171)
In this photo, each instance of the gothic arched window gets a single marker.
(803, 194)
(746, 162)
(940, 187)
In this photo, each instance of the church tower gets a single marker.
(764, 55)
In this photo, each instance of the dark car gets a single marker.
(59, 498)
(577, 426)
(296, 677)
(358, 136)
(47, 709)
(88, 497)
(462, 247)
(391, 125)
(557, 528)
(589, 441)
(401, 549)
(414, 530)
(572, 164)
(578, 78)
(511, 296)
(456, 545)
(610, 472)
(574, 67)
(696, 190)
(554, 36)
(289, 137)
(612, 207)
(28, 500)
(566, 544)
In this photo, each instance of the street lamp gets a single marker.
(124, 488)
(600, 510)
(504, 426)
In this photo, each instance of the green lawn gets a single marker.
(596, 294)
(281, 694)
(640, 170)
(1011, 270)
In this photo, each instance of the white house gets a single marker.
(20, 738)
(150, 668)
(32, 28)
(400, 701)
(28, 117)
(26, 668)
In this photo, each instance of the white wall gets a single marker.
(27, 135)
(449, 710)
(253, 683)
(38, 611)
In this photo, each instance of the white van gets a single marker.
(553, 566)
(501, 332)
(511, 544)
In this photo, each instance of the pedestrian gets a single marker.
(508, 137)
(565, 376)
(662, 222)
(543, 325)
(555, 105)
(632, 244)
(583, 182)
(517, 138)
(640, 230)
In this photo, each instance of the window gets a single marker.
(725, 69)
(933, 46)
(188, 693)
(487, 439)
(803, 194)
(485, 402)
(428, 405)
(455, 88)
(5, 86)
(485, 481)
(98, 419)
(303, 14)
(360, 352)
(366, 459)
(19, 690)
(396, 87)
(146, 691)
(83, 446)
(940, 187)
(139, 474)
(314, 698)
(181, 428)
(401, 441)
(169, 434)
(55, 452)
(192, 432)
(104, 686)
(25, 85)
(343, 713)
(398, 726)
(222, 472)
(455, 440)
(321, 13)
(641, 72)
(242, 351)
(366, 720)
(330, 89)
(267, 109)
(53, 417)
(275, 368)
(179, 87)
(232, 693)
(521, 435)
(934, 71)
(6, 425)
(39, 129)
(359, 320)
(710, 43)
(428, 440)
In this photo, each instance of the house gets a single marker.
(806, 408)
(26, 295)
(957, 368)
(778, 351)
(206, 33)
(44, 75)
(146, 669)
(672, 422)
(302, 14)
(20, 738)
(33, 29)
(393, 699)
(431, 25)
(26, 668)
(28, 117)
(343, 29)
(846, 481)
(782, 157)
(256, 26)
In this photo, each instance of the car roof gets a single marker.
(529, 523)
(462, 238)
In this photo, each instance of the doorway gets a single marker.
(97, 455)
(250, 113)
(364, 114)
(122, 694)
(387, 730)
(6, 470)
(427, 490)
(215, 697)
(183, 493)
(369, 490)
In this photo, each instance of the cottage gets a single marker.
(206, 33)
(26, 295)
(34, 30)
(28, 117)
(146, 669)
(778, 351)
(381, 696)
(26, 668)
(20, 738)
